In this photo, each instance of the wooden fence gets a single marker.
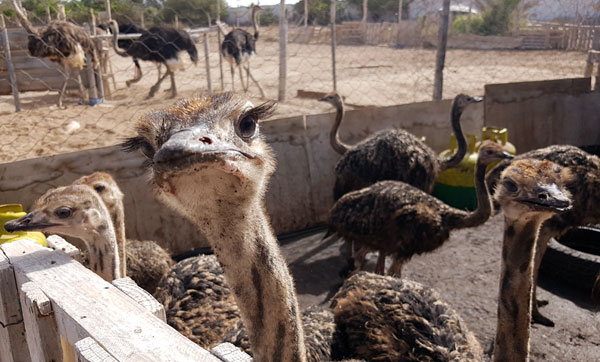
(54, 309)
(561, 36)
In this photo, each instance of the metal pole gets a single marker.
(441, 52)
(219, 45)
(305, 13)
(99, 79)
(207, 61)
(400, 6)
(142, 20)
(107, 5)
(9, 65)
(282, 51)
(332, 20)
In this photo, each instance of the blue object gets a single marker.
(94, 101)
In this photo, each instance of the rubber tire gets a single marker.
(574, 267)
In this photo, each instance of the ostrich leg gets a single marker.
(249, 75)
(244, 86)
(61, 92)
(173, 87)
(157, 85)
(81, 88)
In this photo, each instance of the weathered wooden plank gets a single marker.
(55, 242)
(13, 345)
(85, 305)
(42, 333)
(87, 350)
(142, 297)
(230, 353)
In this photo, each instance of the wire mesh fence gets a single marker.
(376, 64)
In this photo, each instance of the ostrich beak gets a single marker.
(196, 146)
(507, 156)
(29, 222)
(549, 198)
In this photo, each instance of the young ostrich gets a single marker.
(584, 187)
(160, 45)
(237, 48)
(396, 218)
(392, 154)
(144, 261)
(60, 42)
(210, 164)
(77, 211)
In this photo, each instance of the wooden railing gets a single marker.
(54, 309)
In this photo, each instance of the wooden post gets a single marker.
(282, 51)
(469, 17)
(48, 16)
(365, 11)
(400, 6)
(176, 21)
(207, 61)
(107, 6)
(142, 22)
(61, 12)
(98, 78)
(9, 65)
(333, 40)
(306, 13)
(219, 45)
(441, 52)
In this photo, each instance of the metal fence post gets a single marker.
(9, 65)
(282, 51)
(441, 52)
(207, 61)
(332, 20)
(219, 44)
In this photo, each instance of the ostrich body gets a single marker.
(144, 261)
(60, 42)
(238, 47)
(396, 218)
(210, 163)
(160, 45)
(585, 188)
(392, 154)
(77, 211)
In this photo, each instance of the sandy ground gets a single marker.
(465, 271)
(366, 75)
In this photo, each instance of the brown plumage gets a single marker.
(61, 42)
(396, 218)
(210, 163)
(392, 154)
(585, 189)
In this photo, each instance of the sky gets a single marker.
(236, 3)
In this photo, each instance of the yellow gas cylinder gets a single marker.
(456, 186)
(14, 211)
(499, 135)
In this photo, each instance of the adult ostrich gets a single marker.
(238, 46)
(161, 45)
(60, 42)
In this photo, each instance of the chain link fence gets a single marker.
(376, 64)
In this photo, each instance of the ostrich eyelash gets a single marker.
(132, 144)
(261, 111)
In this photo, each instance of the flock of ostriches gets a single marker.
(210, 163)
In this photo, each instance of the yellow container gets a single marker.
(14, 211)
(499, 135)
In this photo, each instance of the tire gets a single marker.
(576, 260)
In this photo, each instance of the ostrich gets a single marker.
(160, 45)
(61, 42)
(210, 164)
(237, 48)
(144, 261)
(77, 211)
(396, 218)
(586, 198)
(392, 154)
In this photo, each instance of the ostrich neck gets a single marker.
(460, 139)
(23, 19)
(516, 282)
(255, 23)
(118, 220)
(254, 267)
(334, 135)
(104, 256)
(484, 204)
(115, 43)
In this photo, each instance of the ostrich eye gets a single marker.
(99, 188)
(246, 128)
(147, 149)
(510, 185)
(63, 212)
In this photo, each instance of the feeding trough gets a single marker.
(575, 259)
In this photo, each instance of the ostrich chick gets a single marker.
(396, 218)
(76, 211)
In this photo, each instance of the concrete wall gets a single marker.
(300, 192)
(539, 114)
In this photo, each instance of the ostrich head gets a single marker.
(106, 186)
(490, 152)
(529, 187)
(461, 102)
(333, 98)
(207, 145)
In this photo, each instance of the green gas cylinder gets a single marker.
(14, 211)
(456, 186)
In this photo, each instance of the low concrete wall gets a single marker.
(300, 192)
(539, 114)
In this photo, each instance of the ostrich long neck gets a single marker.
(118, 220)
(516, 282)
(334, 135)
(115, 42)
(460, 139)
(23, 18)
(259, 277)
(255, 22)
(484, 204)
(104, 256)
